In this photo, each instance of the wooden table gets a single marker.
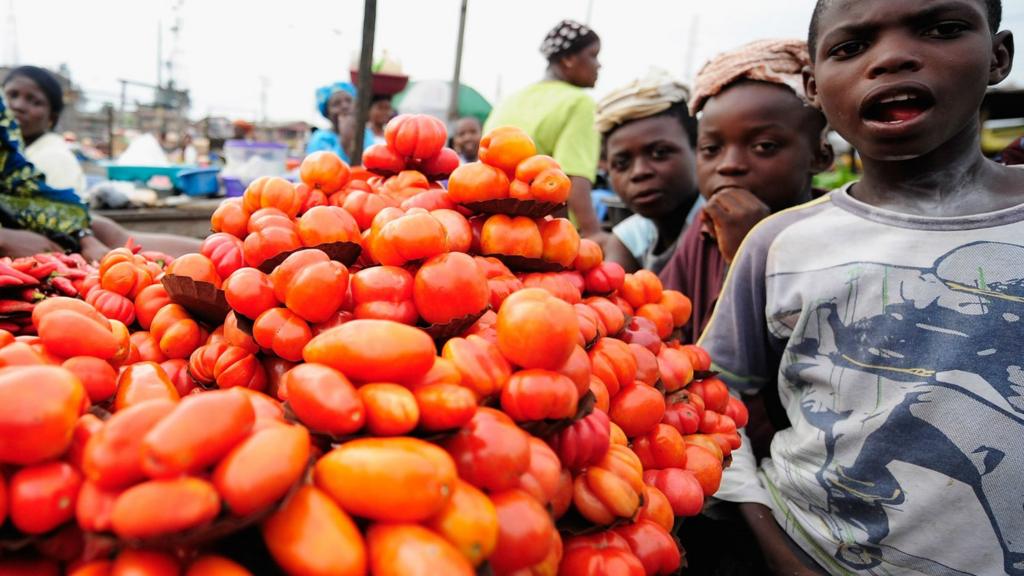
(187, 219)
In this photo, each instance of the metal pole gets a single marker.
(365, 79)
(453, 104)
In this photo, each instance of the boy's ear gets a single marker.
(1002, 57)
(811, 87)
(824, 157)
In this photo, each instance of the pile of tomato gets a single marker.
(364, 373)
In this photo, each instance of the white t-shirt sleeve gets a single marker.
(740, 482)
(637, 234)
(52, 156)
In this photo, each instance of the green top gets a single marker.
(560, 119)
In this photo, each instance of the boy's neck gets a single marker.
(670, 226)
(953, 180)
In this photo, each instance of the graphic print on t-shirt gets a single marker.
(944, 347)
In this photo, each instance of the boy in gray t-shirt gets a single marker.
(891, 312)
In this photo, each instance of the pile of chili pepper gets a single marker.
(27, 280)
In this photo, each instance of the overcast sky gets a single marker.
(225, 50)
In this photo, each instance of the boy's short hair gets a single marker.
(994, 10)
(656, 94)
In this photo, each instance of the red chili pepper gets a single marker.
(6, 270)
(16, 307)
(6, 281)
(42, 270)
(31, 295)
(64, 285)
(22, 264)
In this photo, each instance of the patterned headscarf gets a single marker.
(656, 92)
(323, 95)
(567, 37)
(773, 61)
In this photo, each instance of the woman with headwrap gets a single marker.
(648, 147)
(559, 115)
(36, 99)
(336, 103)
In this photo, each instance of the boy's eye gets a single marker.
(710, 149)
(848, 49)
(660, 153)
(946, 29)
(619, 164)
(766, 147)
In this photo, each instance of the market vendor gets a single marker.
(36, 99)
(336, 103)
(648, 138)
(559, 116)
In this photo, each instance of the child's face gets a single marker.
(650, 163)
(761, 138)
(899, 79)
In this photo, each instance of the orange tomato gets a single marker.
(282, 332)
(674, 369)
(126, 279)
(310, 284)
(559, 285)
(323, 399)
(448, 287)
(577, 369)
(637, 409)
(112, 305)
(662, 447)
(641, 287)
(706, 466)
(230, 217)
(148, 302)
(311, 535)
(97, 376)
(384, 293)
(161, 507)
(412, 550)
(391, 410)
(112, 457)
(588, 256)
(505, 147)
(539, 395)
(415, 236)
(325, 171)
(541, 479)
(176, 332)
(480, 364)
(326, 224)
(364, 206)
(611, 316)
(265, 244)
(39, 407)
(469, 521)
(210, 565)
(511, 236)
(560, 240)
(611, 488)
(656, 508)
(146, 347)
(199, 432)
(458, 232)
(143, 382)
(67, 333)
(272, 192)
(524, 531)
(195, 266)
(374, 351)
(661, 318)
(415, 136)
(261, 469)
(42, 496)
(477, 182)
(387, 479)
(678, 305)
(444, 406)
(249, 292)
(613, 362)
(536, 330)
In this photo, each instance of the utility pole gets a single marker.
(590, 12)
(11, 37)
(453, 104)
(264, 83)
(691, 46)
(159, 54)
(365, 79)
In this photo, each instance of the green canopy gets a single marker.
(432, 97)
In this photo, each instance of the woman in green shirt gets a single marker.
(559, 115)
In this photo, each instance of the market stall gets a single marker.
(363, 372)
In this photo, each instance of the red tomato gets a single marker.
(491, 452)
(42, 497)
(480, 363)
(323, 399)
(681, 488)
(112, 456)
(225, 251)
(391, 410)
(161, 507)
(662, 447)
(249, 292)
(584, 442)
(450, 286)
(541, 480)
(653, 545)
(98, 376)
(374, 351)
(522, 524)
(384, 293)
(260, 470)
(282, 332)
(416, 136)
(444, 406)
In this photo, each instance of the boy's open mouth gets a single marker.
(897, 106)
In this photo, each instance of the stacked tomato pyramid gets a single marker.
(364, 373)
